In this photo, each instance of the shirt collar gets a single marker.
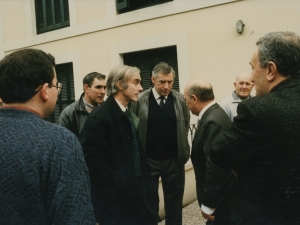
(88, 106)
(156, 95)
(123, 108)
(204, 109)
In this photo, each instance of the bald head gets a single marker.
(243, 85)
(198, 93)
(201, 89)
(243, 76)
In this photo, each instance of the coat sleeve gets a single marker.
(236, 149)
(95, 144)
(216, 179)
(65, 118)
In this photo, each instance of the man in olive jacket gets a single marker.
(263, 144)
(75, 114)
(163, 130)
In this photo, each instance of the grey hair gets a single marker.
(282, 48)
(163, 68)
(120, 73)
(204, 93)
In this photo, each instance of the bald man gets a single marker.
(243, 87)
(214, 185)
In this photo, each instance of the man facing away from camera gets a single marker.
(75, 114)
(263, 144)
(215, 186)
(43, 175)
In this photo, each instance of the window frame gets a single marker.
(42, 19)
(154, 56)
(124, 6)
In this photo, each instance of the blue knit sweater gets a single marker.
(43, 175)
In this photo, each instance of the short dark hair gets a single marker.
(205, 94)
(90, 77)
(22, 72)
(282, 48)
(163, 68)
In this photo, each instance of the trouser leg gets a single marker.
(173, 178)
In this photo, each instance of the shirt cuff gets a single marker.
(207, 210)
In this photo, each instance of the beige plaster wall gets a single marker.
(90, 10)
(13, 14)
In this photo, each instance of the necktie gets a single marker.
(136, 154)
(161, 103)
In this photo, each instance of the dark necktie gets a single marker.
(136, 154)
(161, 103)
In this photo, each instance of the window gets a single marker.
(51, 15)
(146, 60)
(130, 5)
(67, 96)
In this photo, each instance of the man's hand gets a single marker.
(207, 216)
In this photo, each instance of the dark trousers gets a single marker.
(173, 178)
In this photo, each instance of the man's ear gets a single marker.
(85, 87)
(152, 80)
(272, 71)
(194, 98)
(234, 84)
(43, 93)
(119, 86)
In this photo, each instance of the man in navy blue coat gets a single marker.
(121, 184)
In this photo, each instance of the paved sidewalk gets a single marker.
(191, 215)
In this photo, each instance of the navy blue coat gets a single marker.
(214, 185)
(118, 196)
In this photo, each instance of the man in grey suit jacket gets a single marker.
(263, 144)
(214, 185)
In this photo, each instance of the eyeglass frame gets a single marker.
(58, 87)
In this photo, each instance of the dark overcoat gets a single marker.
(263, 145)
(214, 185)
(118, 196)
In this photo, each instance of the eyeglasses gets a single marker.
(58, 86)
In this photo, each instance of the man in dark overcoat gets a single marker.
(263, 144)
(120, 181)
(215, 186)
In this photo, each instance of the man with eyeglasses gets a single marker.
(163, 129)
(75, 114)
(43, 175)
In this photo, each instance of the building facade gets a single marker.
(198, 38)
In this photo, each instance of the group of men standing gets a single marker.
(245, 156)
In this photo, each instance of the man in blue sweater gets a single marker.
(43, 175)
